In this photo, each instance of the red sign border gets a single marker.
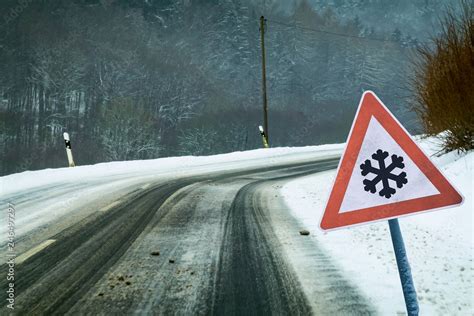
(371, 106)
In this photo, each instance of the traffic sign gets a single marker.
(383, 174)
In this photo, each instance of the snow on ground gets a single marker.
(43, 196)
(439, 244)
(33, 179)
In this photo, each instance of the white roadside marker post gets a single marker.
(264, 137)
(68, 150)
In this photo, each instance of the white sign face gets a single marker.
(417, 184)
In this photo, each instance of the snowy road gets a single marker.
(226, 242)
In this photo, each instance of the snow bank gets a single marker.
(439, 244)
(164, 166)
(45, 196)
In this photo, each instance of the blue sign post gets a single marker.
(404, 270)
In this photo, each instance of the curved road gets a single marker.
(221, 244)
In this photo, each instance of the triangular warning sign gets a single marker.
(383, 173)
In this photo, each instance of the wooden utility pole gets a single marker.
(264, 78)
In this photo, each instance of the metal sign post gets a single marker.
(404, 270)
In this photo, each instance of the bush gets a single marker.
(444, 82)
(128, 131)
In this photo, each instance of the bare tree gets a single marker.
(128, 132)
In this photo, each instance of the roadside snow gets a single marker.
(43, 196)
(439, 244)
(20, 182)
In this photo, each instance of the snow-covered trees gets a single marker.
(190, 71)
(128, 131)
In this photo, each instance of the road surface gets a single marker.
(217, 244)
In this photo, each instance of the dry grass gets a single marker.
(444, 82)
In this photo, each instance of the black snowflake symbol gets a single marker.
(383, 173)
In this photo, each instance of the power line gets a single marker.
(333, 33)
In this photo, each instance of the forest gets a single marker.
(147, 79)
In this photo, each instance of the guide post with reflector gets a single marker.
(68, 150)
(264, 137)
